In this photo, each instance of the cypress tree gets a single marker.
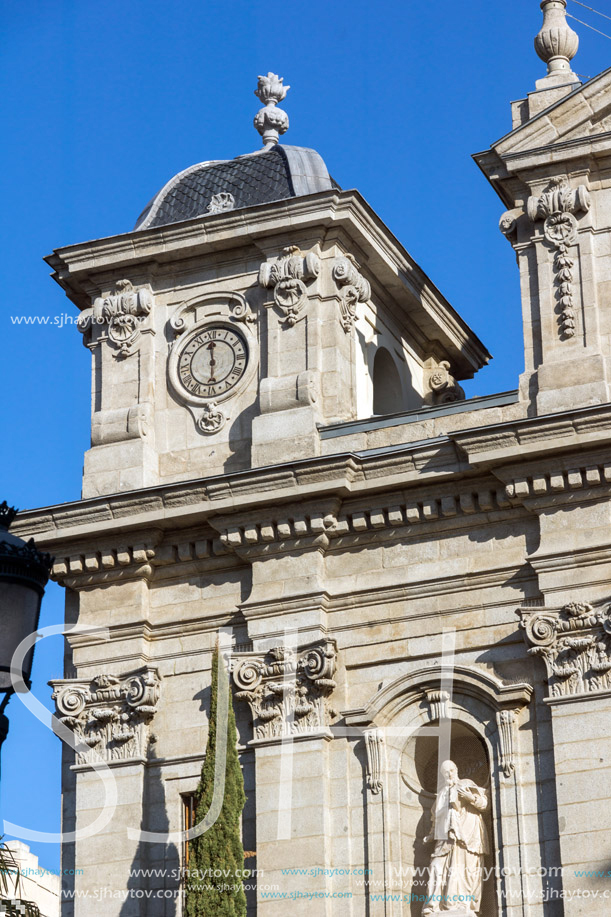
(220, 847)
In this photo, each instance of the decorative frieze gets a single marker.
(575, 644)
(557, 206)
(287, 691)
(374, 743)
(288, 276)
(109, 714)
(120, 315)
(558, 481)
(360, 522)
(353, 286)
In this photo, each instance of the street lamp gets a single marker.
(24, 571)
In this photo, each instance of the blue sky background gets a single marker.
(104, 102)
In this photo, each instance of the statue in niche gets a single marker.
(461, 842)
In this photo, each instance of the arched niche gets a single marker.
(484, 715)
(419, 765)
(387, 387)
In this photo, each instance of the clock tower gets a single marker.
(254, 303)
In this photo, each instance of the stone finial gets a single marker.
(557, 43)
(271, 121)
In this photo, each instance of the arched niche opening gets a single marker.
(419, 775)
(387, 388)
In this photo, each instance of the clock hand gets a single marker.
(211, 347)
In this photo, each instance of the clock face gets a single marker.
(213, 362)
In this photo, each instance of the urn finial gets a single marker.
(271, 121)
(557, 43)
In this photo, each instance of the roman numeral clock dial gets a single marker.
(213, 362)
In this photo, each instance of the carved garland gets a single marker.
(287, 276)
(122, 312)
(557, 206)
(109, 714)
(287, 691)
(575, 644)
(354, 289)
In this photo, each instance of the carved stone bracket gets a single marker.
(557, 206)
(287, 692)
(121, 314)
(374, 743)
(288, 276)
(575, 644)
(443, 387)
(506, 721)
(354, 289)
(110, 714)
(438, 704)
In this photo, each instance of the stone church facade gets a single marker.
(282, 452)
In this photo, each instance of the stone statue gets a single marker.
(461, 841)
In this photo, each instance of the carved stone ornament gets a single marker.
(221, 203)
(575, 644)
(443, 387)
(354, 289)
(374, 743)
(212, 419)
(229, 305)
(109, 714)
(287, 276)
(287, 692)
(438, 704)
(121, 314)
(557, 206)
(271, 121)
(506, 721)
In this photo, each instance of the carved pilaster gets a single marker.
(374, 743)
(287, 276)
(110, 714)
(575, 644)
(354, 289)
(287, 692)
(119, 317)
(557, 206)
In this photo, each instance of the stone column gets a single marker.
(109, 717)
(574, 641)
(288, 690)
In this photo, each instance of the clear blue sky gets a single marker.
(104, 102)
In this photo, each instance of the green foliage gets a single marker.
(220, 847)
(9, 871)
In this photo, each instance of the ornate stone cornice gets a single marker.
(287, 691)
(109, 714)
(574, 641)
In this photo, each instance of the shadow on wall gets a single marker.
(156, 867)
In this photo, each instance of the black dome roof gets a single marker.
(220, 185)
